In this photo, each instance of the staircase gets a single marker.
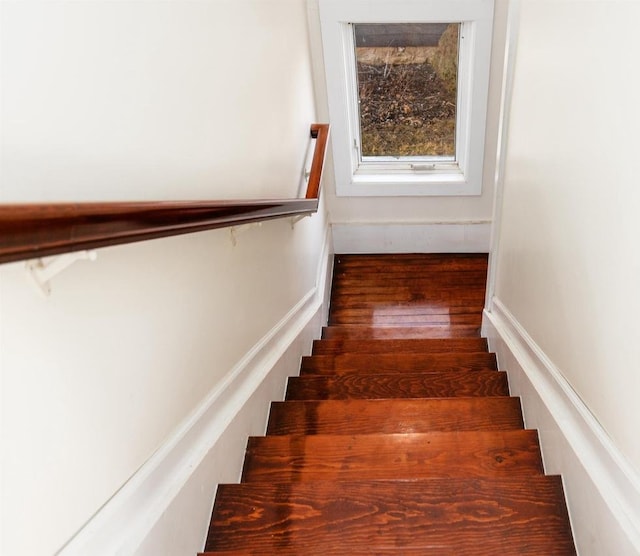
(399, 436)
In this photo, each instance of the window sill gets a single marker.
(408, 185)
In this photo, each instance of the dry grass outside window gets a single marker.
(408, 98)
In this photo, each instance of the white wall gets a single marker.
(447, 213)
(567, 265)
(148, 100)
(143, 100)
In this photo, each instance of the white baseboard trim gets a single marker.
(406, 237)
(602, 488)
(165, 507)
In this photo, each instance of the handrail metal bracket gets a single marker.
(41, 272)
(295, 219)
(235, 231)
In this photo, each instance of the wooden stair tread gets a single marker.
(359, 294)
(365, 265)
(440, 260)
(425, 292)
(467, 291)
(389, 258)
(410, 270)
(398, 385)
(392, 456)
(400, 436)
(394, 416)
(421, 290)
(358, 308)
(431, 265)
(398, 362)
(400, 332)
(429, 345)
(408, 320)
(451, 516)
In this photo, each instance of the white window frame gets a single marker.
(388, 176)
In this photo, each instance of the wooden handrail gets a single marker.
(29, 231)
(320, 132)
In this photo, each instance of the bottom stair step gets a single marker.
(436, 516)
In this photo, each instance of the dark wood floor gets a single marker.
(399, 436)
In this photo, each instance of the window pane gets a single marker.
(407, 88)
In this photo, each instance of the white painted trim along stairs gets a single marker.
(165, 507)
(602, 488)
(412, 237)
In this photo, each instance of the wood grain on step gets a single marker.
(399, 385)
(477, 517)
(400, 332)
(369, 310)
(392, 456)
(439, 261)
(420, 293)
(435, 285)
(407, 320)
(397, 362)
(394, 416)
(430, 345)
(409, 269)
(368, 419)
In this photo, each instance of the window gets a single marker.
(407, 79)
(407, 85)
